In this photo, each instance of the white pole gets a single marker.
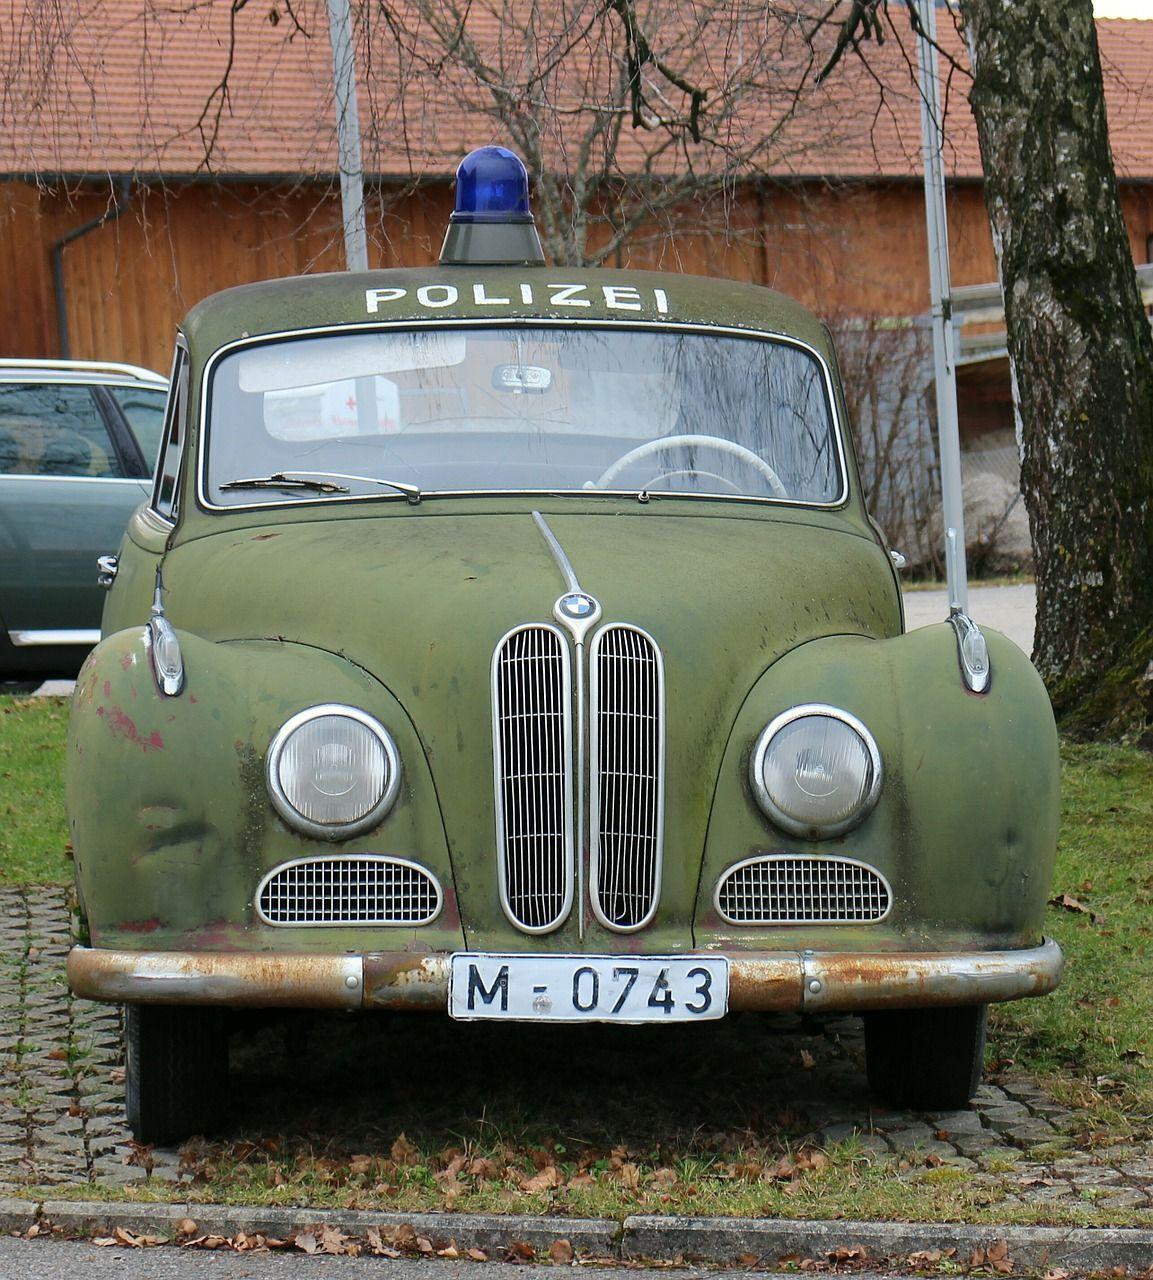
(348, 135)
(949, 439)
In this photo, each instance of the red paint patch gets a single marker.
(192, 699)
(108, 688)
(140, 926)
(123, 726)
(126, 660)
(263, 537)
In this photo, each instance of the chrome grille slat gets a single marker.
(627, 776)
(802, 889)
(532, 761)
(352, 889)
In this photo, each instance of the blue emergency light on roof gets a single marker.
(491, 186)
(492, 224)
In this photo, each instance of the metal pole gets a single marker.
(348, 135)
(948, 436)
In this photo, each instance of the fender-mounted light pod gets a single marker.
(492, 224)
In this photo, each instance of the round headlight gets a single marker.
(333, 771)
(816, 771)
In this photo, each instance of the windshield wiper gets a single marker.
(321, 482)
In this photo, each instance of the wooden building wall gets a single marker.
(857, 250)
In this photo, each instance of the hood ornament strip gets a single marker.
(576, 610)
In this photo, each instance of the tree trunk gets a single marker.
(1081, 353)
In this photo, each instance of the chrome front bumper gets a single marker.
(772, 981)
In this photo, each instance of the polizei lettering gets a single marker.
(439, 297)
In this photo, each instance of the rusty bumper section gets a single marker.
(781, 981)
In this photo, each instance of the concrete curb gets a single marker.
(770, 1240)
(714, 1240)
(492, 1232)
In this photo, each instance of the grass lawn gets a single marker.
(33, 829)
(494, 1120)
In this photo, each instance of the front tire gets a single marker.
(926, 1059)
(176, 1064)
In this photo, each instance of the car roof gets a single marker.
(111, 372)
(493, 294)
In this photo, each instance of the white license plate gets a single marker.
(520, 988)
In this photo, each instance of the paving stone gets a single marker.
(1128, 1198)
(1142, 1169)
(1031, 1133)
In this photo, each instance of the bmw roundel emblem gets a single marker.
(576, 605)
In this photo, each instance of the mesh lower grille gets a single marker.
(362, 889)
(532, 746)
(786, 889)
(627, 775)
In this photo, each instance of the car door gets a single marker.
(70, 476)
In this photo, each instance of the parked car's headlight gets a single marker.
(332, 771)
(816, 771)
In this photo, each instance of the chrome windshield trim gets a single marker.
(522, 322)
(34, 639)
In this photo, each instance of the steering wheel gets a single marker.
(649, 447)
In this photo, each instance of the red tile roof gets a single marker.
(124, 87)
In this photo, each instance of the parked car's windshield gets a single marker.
(533, 409)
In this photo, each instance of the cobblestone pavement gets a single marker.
(62, 1094)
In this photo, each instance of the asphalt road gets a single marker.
(1010, 610)
(63, 1260)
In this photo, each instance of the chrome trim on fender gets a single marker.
(33, 639)
(768, 805)
(832, 982)
(972, 652)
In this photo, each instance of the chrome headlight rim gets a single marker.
(288, 811)
(814, 831)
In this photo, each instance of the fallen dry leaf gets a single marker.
(547, 1180)
(520, 1251)
(306, 1242)
(186, 1227)
(477, 1255)
(560, 1253)
(1069, 903)
(403, 1152)
(630, 1176)
(807, 1060)
(332, 1241)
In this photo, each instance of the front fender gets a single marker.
(965, 828)
(171, 822)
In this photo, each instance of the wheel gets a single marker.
(927, 1059)
(176, 1065)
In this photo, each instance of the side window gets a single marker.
(144, 409)
(52, 429)
(165, 495)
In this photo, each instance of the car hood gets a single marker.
(422, 602)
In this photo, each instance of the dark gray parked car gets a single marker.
(77, 445)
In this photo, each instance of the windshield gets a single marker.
(529, 409)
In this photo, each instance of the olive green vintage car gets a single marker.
(514, 642)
